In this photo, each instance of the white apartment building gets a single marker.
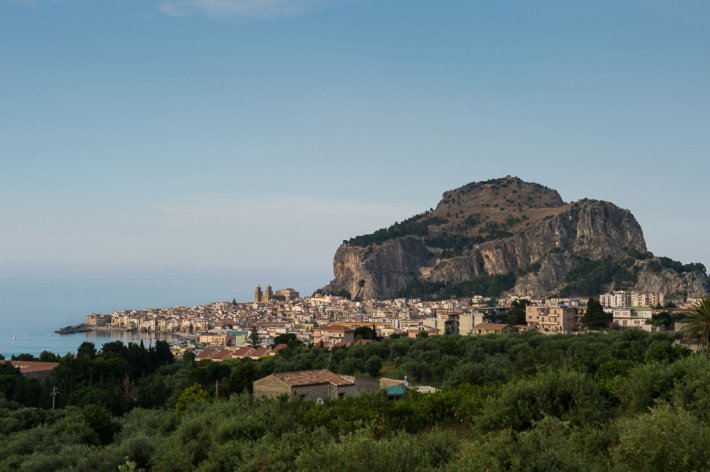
(636, 317)
(624, 299)
(617, 299)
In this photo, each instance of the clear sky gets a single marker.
(253, 136)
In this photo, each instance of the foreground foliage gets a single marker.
(615, 401)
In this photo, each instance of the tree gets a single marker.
(24, 357)
(193, 393)
(284, 338)
(595, 317)
(46, 356)
(365, 332)
(663, 318)
(516, 315)
(373, 366)
(242, 376)
(188, 357)
(698, 323)
(666, 438)
(254, 339)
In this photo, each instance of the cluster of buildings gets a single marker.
(328, 320)
(322, 384)
(321, 319)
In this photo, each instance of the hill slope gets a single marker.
(509, 235)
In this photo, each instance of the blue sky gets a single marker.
(252, 136)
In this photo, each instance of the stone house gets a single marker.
(312, 384)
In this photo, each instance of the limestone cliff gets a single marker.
(521, 232)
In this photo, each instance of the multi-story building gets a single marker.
(647, 299)
(446, 321)
(637, 317)
(467, 321)
(554, 319)
(333, 335)
(617, 299)
(214, 339)
(624, 299)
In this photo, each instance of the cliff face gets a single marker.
(498, 227)
(380, 271)
(672, 283)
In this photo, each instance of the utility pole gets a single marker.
(216, 389)
(55, 392)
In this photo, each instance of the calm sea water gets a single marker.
(32, 308)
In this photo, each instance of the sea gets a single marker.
(32, 308)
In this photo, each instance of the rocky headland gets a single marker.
(510, 236)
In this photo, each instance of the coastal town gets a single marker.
(222, 330)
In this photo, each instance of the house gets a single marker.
(259, 352)
(205, 354)
(384, 382)
(242, 352)
(636, 317)
(221, 355)
(482, 329)
(393, 388)
(333, 335)
(423, 330)
(312, 385)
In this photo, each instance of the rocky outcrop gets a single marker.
(501, 226)
(380, 271)
(672, 284)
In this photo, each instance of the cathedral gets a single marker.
(285, 294)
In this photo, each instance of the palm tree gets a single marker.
(698, 323)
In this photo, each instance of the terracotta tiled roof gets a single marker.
(27, 367)
(314, 377)
(243, 351)
(205, 354)
(491, 326)
(259, 352)
(385, 382)
(224, 354)
(278, 347)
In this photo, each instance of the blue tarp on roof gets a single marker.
(395, 391)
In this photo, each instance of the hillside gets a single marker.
(507, 235)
